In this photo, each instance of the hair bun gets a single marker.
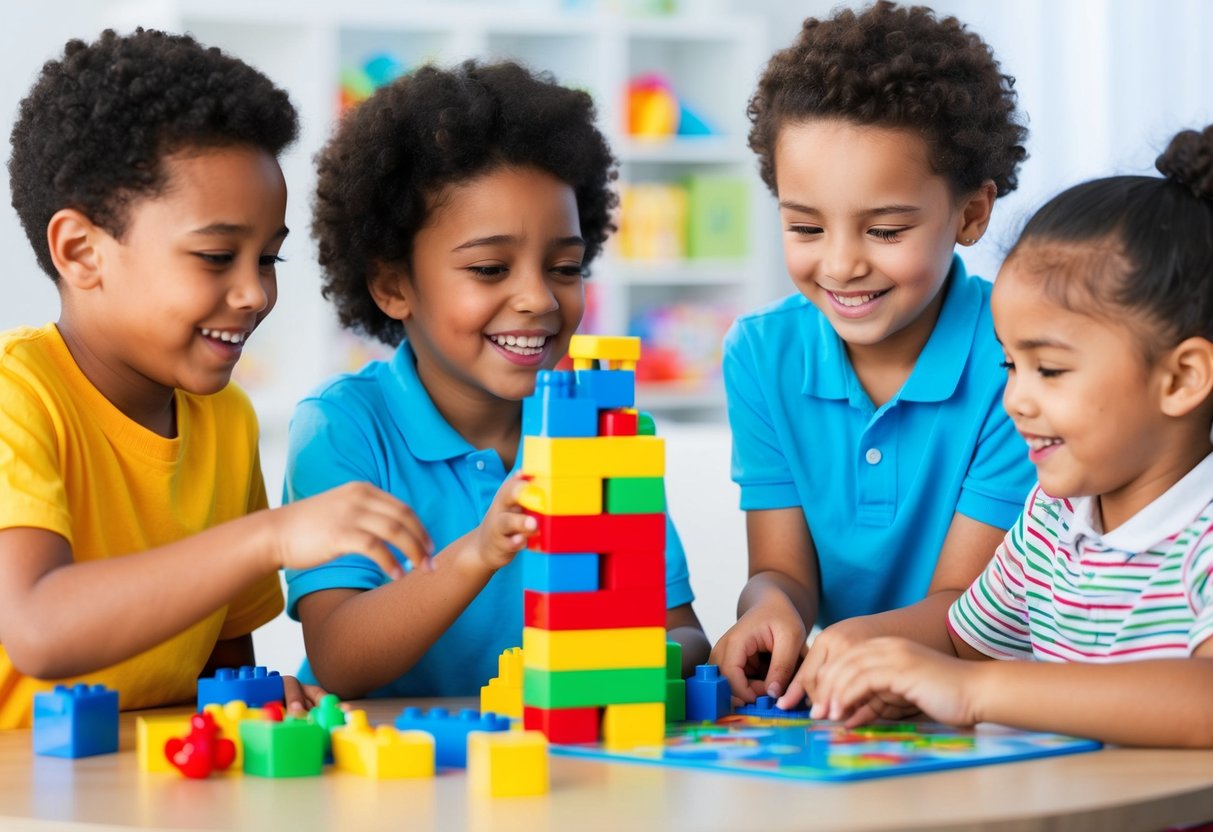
(1188, 160)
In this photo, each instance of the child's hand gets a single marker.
(759, 653)
(355, 517)
(895, 668)
(505, 528)
(301, 698)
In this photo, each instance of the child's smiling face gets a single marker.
(1082, 394)
(496, 290)
(868, 228)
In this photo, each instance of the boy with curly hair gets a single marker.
(877, 467)
(457, 211)
(136, 548)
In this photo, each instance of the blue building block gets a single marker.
(608, 389)
(450, 733)
(707, 694)
(557, 409)
(564, 572)
(79, 721)
(254, 686)
(765, 707)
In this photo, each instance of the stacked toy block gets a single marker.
(594, 641)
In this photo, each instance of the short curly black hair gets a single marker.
(95, 127)
(395, 152)
(895, 66)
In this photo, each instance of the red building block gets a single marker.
(597, 532)
(563, 725)
(643, 569)
(203, 750)
(621, 422)
(594, 610)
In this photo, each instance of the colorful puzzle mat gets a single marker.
(805, 749)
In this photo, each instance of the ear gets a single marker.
(1187, 380)
(73, 241)
(975, 213)
(390, 289)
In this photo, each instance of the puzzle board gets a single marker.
(805, 749)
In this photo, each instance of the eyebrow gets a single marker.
(883, 210)
(501, 239)
(1039, 343)
(216, 229)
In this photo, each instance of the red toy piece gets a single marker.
(601, 610)
(563, 725)
(273, 711)
(619, 422)
(597, 532)
(202, 751)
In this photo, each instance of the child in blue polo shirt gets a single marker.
(456, 212)
(876, 465)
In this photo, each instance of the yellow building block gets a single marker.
(617, 352)
(228, 717)
(593, 649)
(600, 457)
(383, 752)
(151, 733)
(503, 694)
(507, 763)
(563, 495)
(630, 726)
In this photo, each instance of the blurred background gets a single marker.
(1103, 84)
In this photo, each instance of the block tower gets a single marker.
(593, 642)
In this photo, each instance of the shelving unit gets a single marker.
(712, 61)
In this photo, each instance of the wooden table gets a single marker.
(1109, 789)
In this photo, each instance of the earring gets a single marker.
(968, 241)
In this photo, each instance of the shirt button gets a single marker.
(480, 465)
(873, 456)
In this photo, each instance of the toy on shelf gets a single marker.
(358, 83)
(203, 751)
(254, 686)
(683, 338)
(594, 654)
(78, 721)
(655, 110)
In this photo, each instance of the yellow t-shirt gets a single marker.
(72, 463)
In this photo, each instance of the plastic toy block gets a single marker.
(593, 649)
(556, 408)
(675, 700)
(632, 570)
(203, 751)
(600, 456)
(564, 495)
(290, 748)
(568, 572)
(597, 533)
(381, 753)
(608, 389)
(645, 426)
(633, 495)
(503, 694)
(228, 717)
(636, 724)
(254, 686)
(585, 688)
(765, 707)
(563, 725)
(80, 721)
(673, 660)
(328, 715)
(622, 349)
(511, 764)
(594, 610)
(707, 694)
(151, 735)
(451, 732)
(619, 422)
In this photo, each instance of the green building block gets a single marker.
(592, 688)
(718, 207)
(645, 426)
(633, 495)
(673, 660)
(675, 685)
(291, 748)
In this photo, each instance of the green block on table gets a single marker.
(592, 688)
(673, 660)
(633, 495)
(675, 700)
(718, 207)
(291, 748)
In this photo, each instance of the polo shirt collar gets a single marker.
(428, 435)
(939, 367)
(1170, 513)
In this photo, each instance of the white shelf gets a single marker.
(719, 150)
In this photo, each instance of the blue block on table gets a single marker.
(450, 732)
(79, 721)
(707, 694)
(254, 686)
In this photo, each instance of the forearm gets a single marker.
(683, 627)
(771, 584)
(1155, 703)
(374, 637)
(86, 615)
(924, 622)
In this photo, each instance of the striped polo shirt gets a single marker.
(1060, 590)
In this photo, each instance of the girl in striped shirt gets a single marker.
(1101, 595)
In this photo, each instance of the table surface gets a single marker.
(1115, 788)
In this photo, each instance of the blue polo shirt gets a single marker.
(878, 486)
(380, 426)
